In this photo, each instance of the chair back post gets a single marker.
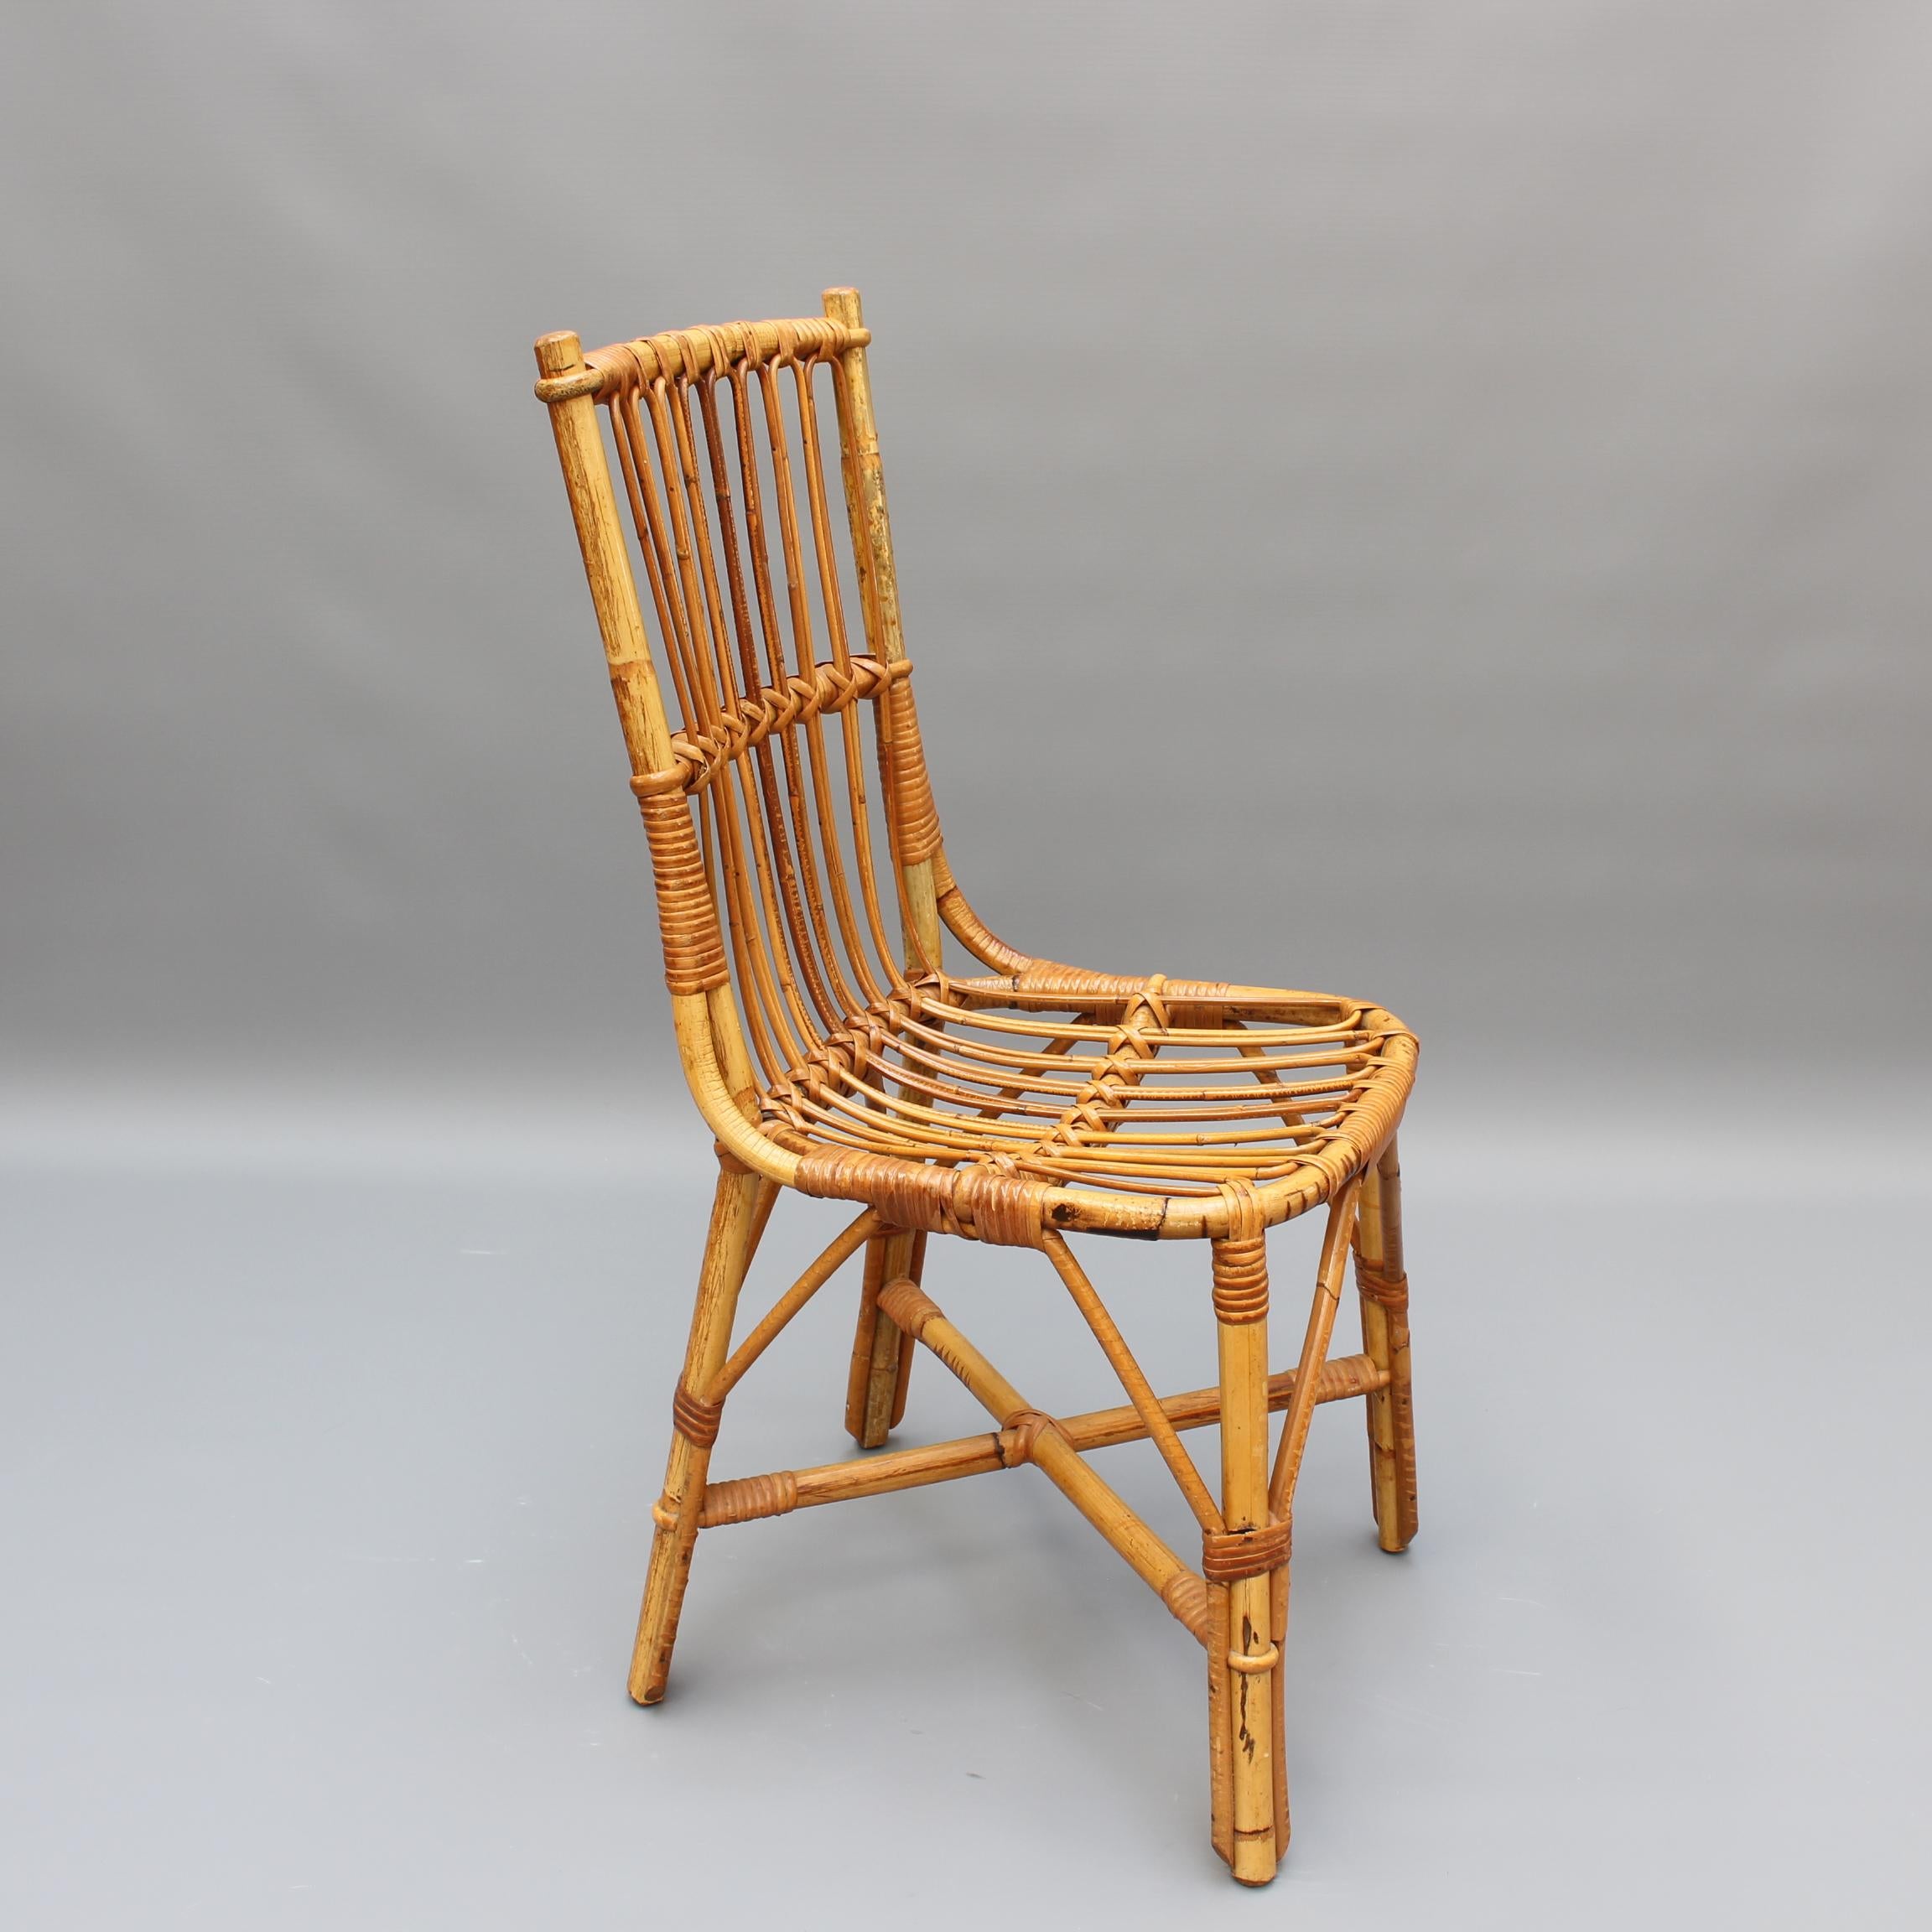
(710, 1040)
(606, 558)
(915, 822)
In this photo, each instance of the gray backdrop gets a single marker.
(1497, 435)
(1499, 432)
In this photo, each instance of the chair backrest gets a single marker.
(776, 865)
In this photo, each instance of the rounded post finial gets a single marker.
(559, 353)
(842, 305)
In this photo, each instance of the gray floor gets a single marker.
(325, 1500)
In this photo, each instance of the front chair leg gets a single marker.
(881, 1353)
(1240, 1563)
(1384, 1288)
(739, 1210)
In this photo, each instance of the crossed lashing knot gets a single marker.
(697, 756)
(978, 1201)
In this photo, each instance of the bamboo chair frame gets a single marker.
(1016, 1104)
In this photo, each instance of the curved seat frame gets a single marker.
(947, 1083)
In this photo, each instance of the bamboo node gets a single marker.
(695, 1419)
(1231, 1555)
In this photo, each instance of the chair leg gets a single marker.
(738, 1214)
(881, 1353)
(1385, 1291)
(1245, 1613)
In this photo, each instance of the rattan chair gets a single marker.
(922, 1069)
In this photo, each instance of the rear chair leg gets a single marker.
(881, 1353)
(738, 1214)
(1247, 1582)
(1384, 1290)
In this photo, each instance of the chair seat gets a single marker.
(1102, 1086)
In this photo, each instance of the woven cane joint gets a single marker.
(909, 1306)
(746, 1499)
(915, 817)
(1386, 1290)
(679, 354)
(696, 1420)
(1186, 1596)
(1229, 1555)
(693, 944)
(980, 1203)
(699, 756)
(1021, 1436)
